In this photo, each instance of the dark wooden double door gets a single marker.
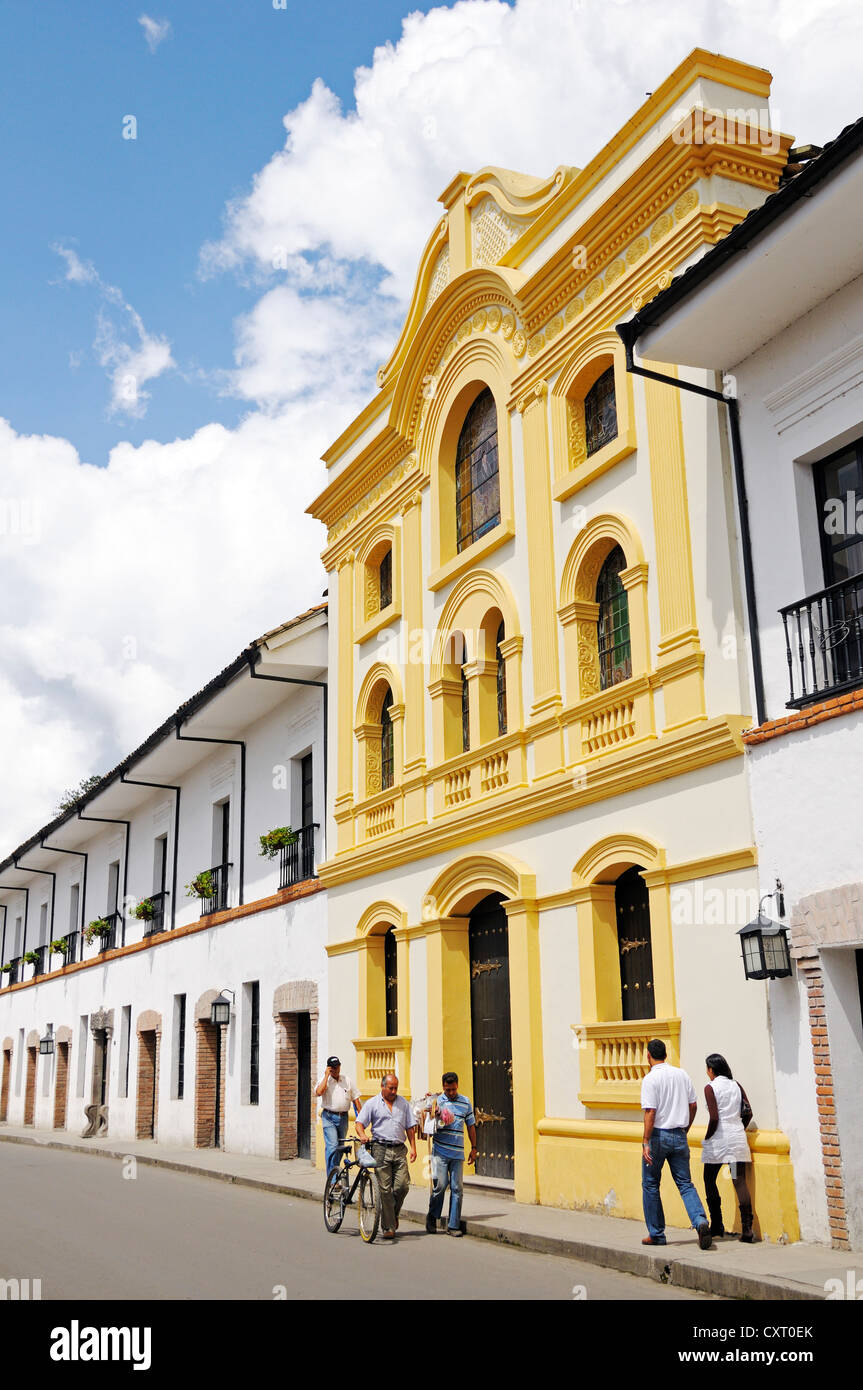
(491, 1039)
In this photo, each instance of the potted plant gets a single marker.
(275, 840)
(203, 885)
(145, 910)
(31, 957)
(100, 927)
(7, 969)
(60, 946)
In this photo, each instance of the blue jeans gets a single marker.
(446, 1173)
(671, 1146)
(335, 1130)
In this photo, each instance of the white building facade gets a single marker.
(785, 321)
(110, 1029)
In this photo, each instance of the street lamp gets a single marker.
(220, 1009)
(765, 944)
(46, 1044)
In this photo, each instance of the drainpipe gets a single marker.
(629, 340)
(83, 854)
(26, 891)
(255, 657)
(3, 947)
(238, 743)
(53, 878)
(110, 820)
(166, 786)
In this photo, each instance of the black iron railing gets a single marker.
(107, 940)
(71, 948)
(824, 642)
(14, 974)
(297, 861)
(219, 899)
(39, 966)
(157, 922)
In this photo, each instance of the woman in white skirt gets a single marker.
(725, 1142)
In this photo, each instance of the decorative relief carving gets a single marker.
(588, 659)
(372, 604)
(536, 344)
(479, 320)
(614, 272)
(373, 766)
(386, 484)
(507, 326)
(661, 227)
(519, 344)
(639, 248)
(494, 231)
(494, 318)
(594, 290)
(661, 283)
(575, 433)
(573, 309)
(686, 203)
(439, 277)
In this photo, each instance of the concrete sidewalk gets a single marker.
(729, 1269)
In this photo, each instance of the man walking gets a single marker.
(454, 1111)
(669, 1105)
(392, 1121)
(337, 1091)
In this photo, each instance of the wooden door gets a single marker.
(632, 907)
(491, 1039)
(304, 1085)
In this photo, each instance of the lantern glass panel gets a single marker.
(752, 955)
(775, 955)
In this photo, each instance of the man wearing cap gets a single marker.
(337, 1092)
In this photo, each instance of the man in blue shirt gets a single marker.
(392, 1122)
(454, 1111)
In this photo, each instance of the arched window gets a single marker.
(501, 681)
(632, 909)
(477, 486)
(385, 580)
(465, 713)
(600, 413)
(387, 746)
(615, 654)
(391, 983)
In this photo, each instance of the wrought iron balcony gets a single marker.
(14, 975)
(297, 861)
(39, 967)
(824, 642)
(219, 899)
(71, 948)
(157, 922)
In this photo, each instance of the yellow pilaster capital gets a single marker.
(537, 393)
(412, 502)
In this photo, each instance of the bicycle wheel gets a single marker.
(369, 1205)
(335, 1194)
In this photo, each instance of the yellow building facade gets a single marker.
(539, 809)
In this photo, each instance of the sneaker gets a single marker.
(704, 1235)
(649, 1240)
(455, 1232)
(431, 1226)
(389, 1235)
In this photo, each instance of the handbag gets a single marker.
(745, 1108)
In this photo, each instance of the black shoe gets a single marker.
(717, 1229)
(431, 1226)
(704, 1235)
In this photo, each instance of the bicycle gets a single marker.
(339, 1194)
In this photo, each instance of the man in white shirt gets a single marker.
(669, 1105)
(337, 1092)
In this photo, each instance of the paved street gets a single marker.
(89, 1233)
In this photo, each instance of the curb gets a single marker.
(680, 1272)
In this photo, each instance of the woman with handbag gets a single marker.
(725, 1142)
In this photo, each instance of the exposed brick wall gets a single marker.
(287, 1088)
(831, 1156)
(208, 1039)
(147, 1102)
(4, 1091)
(30, 1089)
(805, 718)
(61, 1085)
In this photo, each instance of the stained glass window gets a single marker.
(387, 760)
(501, 682)
(477, 489)
(600, 412)
(465, 714)
(615, 656)
(385, 580)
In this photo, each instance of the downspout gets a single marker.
(53, 878)
(255, 657)
(110, 820)
(629, 340)
(3, 947)
(166, 786)
(26, 891)
(238, 743)
(83, 854)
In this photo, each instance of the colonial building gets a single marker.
(541, 841)
(782, 314)
(111, 968)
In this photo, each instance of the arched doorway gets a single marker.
(491, 1038)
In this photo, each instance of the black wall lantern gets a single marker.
(765, 944)
(220, 1009)
(46, 1044)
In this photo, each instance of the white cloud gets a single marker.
(155, 30)
(129, 366)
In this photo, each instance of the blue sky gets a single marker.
(209, 104)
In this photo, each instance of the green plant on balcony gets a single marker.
(31, 957)
(145, 910)
(6, 969)
(100, 927)
(60, 946)
(203, 885)
(276, 840)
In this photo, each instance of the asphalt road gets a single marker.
(89, 1232)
